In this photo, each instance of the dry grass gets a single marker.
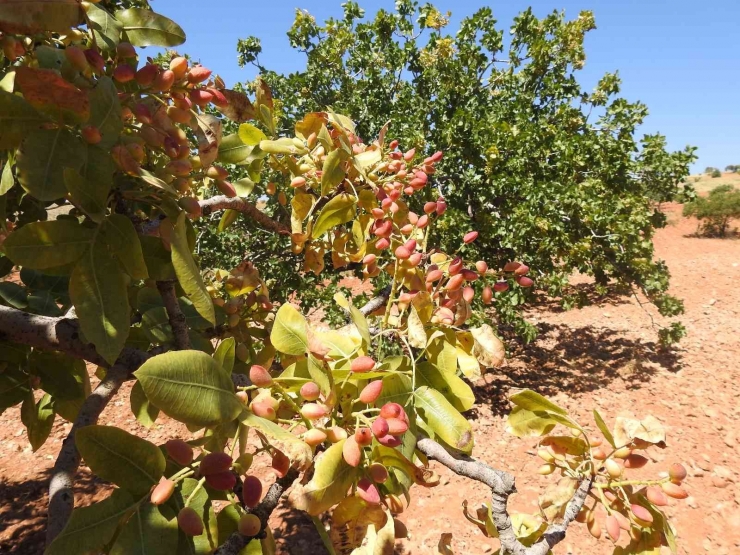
(704, 183)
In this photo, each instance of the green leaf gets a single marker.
(360, 322)
(13, 294)
(535, 402)
(143, 410)
(190, 387)
(243, 187)
(106, 28)
(148, 532)
(206, 543)
(232, 150)
(22, 16)
(105, 111)
(284, 145)
(13, 384)
(41, 245)
(147, 28)
(396, 389)
(289, 333)
(38, 419)
(331, 479)
(318, 374)
(44, 304)
(7, 180)
(455, 390)
(58, 373)
(227, 218)
(120, 235)
(339, 210)
(188, 273)
(42, 157)
(442, 350)
(296, 450)
(17, 118)
(443, 419)
(524, 423)
(225, 354)
(333, 174)
(251, 135)
(97, 289)
(90, 528)
(604, 428)
(90, 196)
(157, 258)
(130, 462)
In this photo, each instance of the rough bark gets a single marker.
(177, 319)
(502, 486)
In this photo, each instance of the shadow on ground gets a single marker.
(575, 361)
(23, 510)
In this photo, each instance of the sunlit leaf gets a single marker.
(97, 289)
(289, 333)
(24, 17)
(190, 387)
(331, 479)
(188, 273)
(446, 422)
(145, 28)
(147, 532)
(48, 92)
(339, 210)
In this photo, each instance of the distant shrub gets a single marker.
(716, 173)
(709, 170)
(715, 211)
(732, 168)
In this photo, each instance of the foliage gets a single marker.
(547, 171)
(715, 211)
(716, 173)
(732, 168)
(132, 146)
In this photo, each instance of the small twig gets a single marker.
(177, 319)
(236, 541)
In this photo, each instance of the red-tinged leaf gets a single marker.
(45, 90)
(33, 16)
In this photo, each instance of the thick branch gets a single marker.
(236, 541)
(376, 302)
(61, 495)
(177, 319)
(221, 202)
(502, 486)
(58, 334)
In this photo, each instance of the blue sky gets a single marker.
(680, 57)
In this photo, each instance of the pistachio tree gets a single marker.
(547, 170)
(109, 158)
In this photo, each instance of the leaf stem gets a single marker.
(324, 536)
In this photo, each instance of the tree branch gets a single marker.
(58, 334)
(376, 302)
(502, 486)
(236, 541)
(61, 495)
(221, 202)
(177, 319)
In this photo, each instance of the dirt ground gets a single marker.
(602, 357)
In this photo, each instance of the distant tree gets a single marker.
(732, 168)
(709, 170)
(715, 211)
(716, 173)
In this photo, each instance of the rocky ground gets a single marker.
(601, 357)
